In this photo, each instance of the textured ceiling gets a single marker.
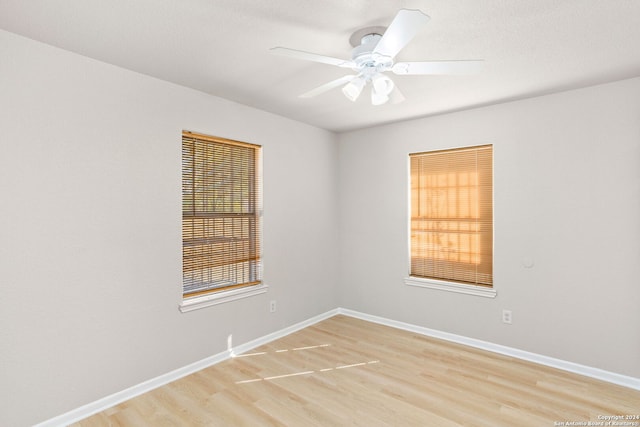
(529, 47)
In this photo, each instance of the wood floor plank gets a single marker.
(349, 372)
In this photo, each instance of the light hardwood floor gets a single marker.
(348, 372)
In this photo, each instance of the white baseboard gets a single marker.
(600, 374)
(99, 405)
(85, 411)
(243, 348)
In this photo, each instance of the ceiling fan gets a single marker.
(373, 54)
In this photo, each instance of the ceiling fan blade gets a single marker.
(402, 29)
(438, 67)
(328, 86)
(308, 56)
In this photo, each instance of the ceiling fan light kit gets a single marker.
(381, 88)
(353, 89)
(374, 50)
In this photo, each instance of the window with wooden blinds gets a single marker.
(452, 215)
(221, 214)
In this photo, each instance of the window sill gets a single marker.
(195, 303)
(460, 288)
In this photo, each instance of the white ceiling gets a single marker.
(529, 47)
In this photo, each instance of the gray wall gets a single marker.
(566, 194)
(90, 228)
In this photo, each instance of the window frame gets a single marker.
(213, 295)
(439, 283)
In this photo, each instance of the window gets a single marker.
(452, 216)
(221, 215)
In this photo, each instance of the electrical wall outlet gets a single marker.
(507, 317)
(272, 306)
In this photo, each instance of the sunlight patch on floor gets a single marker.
(295, 374)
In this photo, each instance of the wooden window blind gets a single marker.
(452, 215)
(221, 214)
